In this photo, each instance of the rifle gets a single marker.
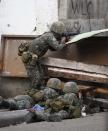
(68, 34)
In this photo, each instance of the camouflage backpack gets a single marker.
(57, 105)
(38, 96)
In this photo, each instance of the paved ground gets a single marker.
(97, 122)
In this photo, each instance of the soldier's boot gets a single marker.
(64, 114)
(4, 104)
(7, 104)
(12, 104)
(54, 118)
(35, 116)
(30, 117)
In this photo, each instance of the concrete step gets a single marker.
(12, 117)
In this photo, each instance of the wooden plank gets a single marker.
(85, 52)
(77, 75)
(68, 64)
(93, 89)
(101, 91)
(10, 36)
(11, 62)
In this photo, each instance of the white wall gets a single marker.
(21, 16)
(46, 13)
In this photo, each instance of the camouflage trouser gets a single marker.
(74, 112)
(46, 116)
(36, 75)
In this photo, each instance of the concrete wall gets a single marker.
(84, 15)
(24, 16)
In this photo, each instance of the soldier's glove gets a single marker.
(30, 117)
(63, 40)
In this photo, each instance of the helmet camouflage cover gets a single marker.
(70, 87)
(23, 101)
(54, 83)
(71, 98)
(50, 93)
(58, 27)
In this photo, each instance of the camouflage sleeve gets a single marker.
(54, 44)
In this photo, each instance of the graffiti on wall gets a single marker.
(81, 9)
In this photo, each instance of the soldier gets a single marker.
(32, 53)
(17, 103)
(71, 97)
(43, 98)
(67, 105)
(57, 106)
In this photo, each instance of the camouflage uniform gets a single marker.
(71, 98)
(69, 103)
(44, 98)
(32, 53)
(57, 106)
(17, 103)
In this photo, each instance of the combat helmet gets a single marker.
(54, 83)
(70, 98)
(23, 101)
(50, 93)
(70, 87)
(58, 27)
